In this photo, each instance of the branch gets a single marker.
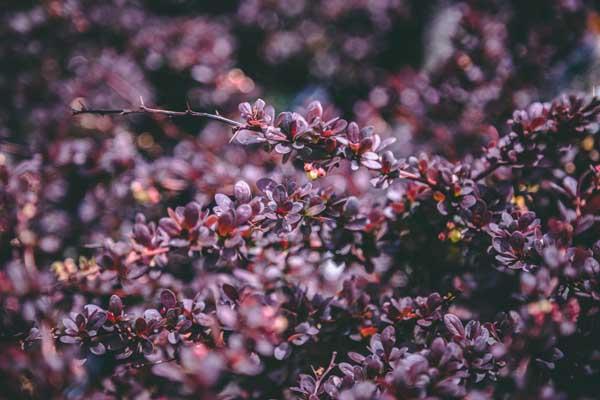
(320, 378)
(234, 124)
(147, 110)
(149, 363)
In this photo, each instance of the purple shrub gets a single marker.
(385, 236)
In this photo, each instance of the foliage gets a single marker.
(249, 253)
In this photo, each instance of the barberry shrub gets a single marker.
(237, 296)
(297, 254)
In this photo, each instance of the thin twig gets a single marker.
(147, 110)
(319, 380)
(149, 363)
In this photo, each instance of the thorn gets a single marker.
(235, 132)
(142, 102)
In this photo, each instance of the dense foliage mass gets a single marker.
(390, 236)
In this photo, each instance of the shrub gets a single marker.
(295, 254)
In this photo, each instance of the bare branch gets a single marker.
(321, 377)
(147, 110)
